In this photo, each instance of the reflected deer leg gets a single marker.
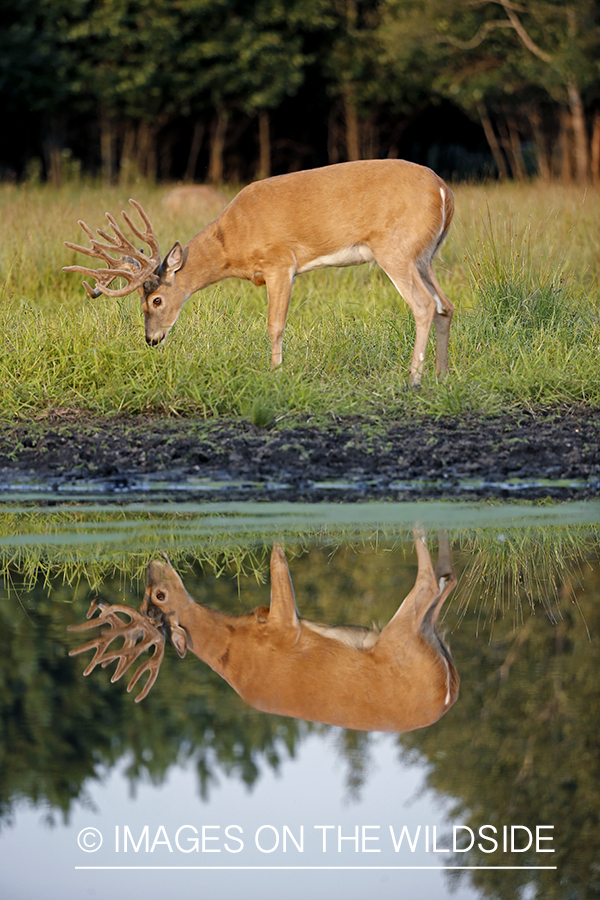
(283, 610)
(444, 573)
(422, 605)
(411, 635)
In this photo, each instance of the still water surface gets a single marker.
(222, 799)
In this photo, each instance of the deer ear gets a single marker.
(179, 640)
(173, 261)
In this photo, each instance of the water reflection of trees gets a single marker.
(519, 747)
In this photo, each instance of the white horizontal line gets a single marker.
(319, 868)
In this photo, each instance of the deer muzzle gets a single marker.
(158, 337)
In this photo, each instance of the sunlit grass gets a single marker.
(521, 266)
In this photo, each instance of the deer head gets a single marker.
(164, 599)
(147, 274)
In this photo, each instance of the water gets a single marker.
(222, 799)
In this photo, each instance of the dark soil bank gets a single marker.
(555, 454)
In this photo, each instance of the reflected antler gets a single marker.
(139, 626)
(133, 264)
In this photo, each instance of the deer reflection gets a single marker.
(395, 679)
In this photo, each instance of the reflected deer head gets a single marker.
(394, 679)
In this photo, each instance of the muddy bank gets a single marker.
(555, 454)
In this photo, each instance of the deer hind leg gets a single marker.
(445, 577)
(442, 320)
(420, 609)
(279, 289)
(414, 608)
(409, 282)
(411, 635)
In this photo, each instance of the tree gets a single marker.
(351, 65)
(128, 68)
(515, 56)
(246, 57)
(39, 67)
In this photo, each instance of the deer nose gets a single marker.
(153, 341)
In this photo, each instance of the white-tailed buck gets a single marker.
(387, 211)
(396, 679)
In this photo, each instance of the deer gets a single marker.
(395, 679)
(385, 211)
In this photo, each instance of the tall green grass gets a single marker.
(520, 264)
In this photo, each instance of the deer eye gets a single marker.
(157, 301)
(160, 596)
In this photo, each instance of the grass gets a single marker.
(521, 265)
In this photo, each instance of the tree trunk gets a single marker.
(515, 143)
(541, 152)
(127, 163)
(370, 143)
(146, 151)
(352, 128)
(195, 147)
(565, 141)
(217, 146)
(580, 141)
(509, 150)
(492, 140)
(333, 135)
(264, 161)
(165, 157)
(107, 146)
(595, 149)
(52, 147)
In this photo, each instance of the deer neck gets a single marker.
(205, 261)
(207, 632)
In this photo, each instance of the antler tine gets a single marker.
(103, 278)
(94, 293)
(108, 237)
(97, 250)
(148, 235)
(125, 243)
(86, 228)
(151, 665)
(131, 649)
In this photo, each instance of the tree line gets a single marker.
(237, 89)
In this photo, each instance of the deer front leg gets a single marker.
(279, 289)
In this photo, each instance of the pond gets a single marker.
(320, 760)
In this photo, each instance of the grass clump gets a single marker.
(519, 265)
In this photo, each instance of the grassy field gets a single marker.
(521, 265)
